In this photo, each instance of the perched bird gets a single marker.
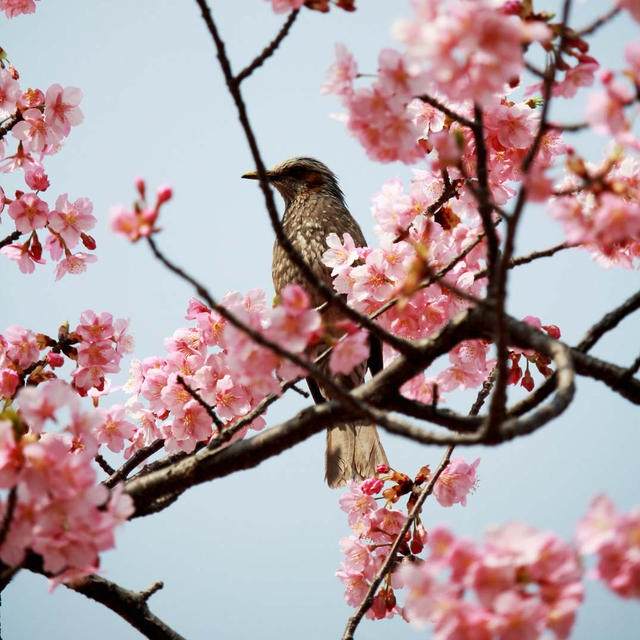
(314, 208)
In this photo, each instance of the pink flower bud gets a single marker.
(141, 187)
(37, 179)
(165, 193)
(371, 486)
(383, 468)
(527, 381)
(552, 330)
(54, 359)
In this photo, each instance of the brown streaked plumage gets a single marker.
(314, 208)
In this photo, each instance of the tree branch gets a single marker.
(270, 49)
(400, 344)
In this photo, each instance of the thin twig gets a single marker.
(10, 238)
(205, 405)
(398, 343)
(530, 257)
(10, 123)
(270, 49)
(596, 24)
(634, 368)
(137, 458)
(452, 115)
(104, 465)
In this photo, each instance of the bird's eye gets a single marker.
(297, 173)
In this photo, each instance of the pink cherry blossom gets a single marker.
(9, 381)
(632, 6)
(9, 93)
(39, 404)
(340, 255)
(581, 75)
(36, 134)
(29, 212)
(194, 426)
(74, 264)
(36, 179)
(231, 399)
(349, 352)
(13, 8)
(70, 219)
(21, 348)
(597, 527)
(21, 254)
(455, 482)
(61, 108)
(341, 73)
(114, 429)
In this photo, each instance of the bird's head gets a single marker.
(301, 176)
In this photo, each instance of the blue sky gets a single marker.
(253, 555)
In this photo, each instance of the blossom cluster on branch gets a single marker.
(40, 121)
(455, 104)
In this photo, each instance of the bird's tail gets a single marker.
(353, 451)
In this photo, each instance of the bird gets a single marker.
(314, 208)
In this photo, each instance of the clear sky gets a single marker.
(253, 555)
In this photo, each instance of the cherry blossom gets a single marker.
(9, 92)
(455, 482)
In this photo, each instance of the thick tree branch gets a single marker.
(137, 458)
(129, 605)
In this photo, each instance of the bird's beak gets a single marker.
(251, 175)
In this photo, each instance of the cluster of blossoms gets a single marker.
(40, 121)
(540, 361)
(375, 528)
(467, 52)
(615, 538)
(520, 584)
(96, 346)
(221, 363)
(57, 508)
(412, 248)
(605, 216)
(13, 8)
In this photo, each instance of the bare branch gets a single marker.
(608, 322)
(602, 20)
(10, 123)
(530, 257)
(104, 465)
(270, 49)
(130, 605)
